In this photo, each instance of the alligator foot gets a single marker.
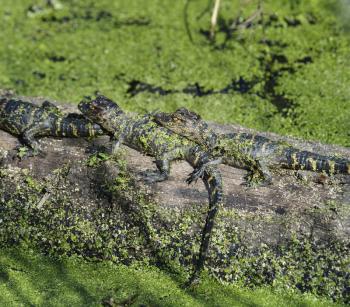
(258, 178)
(198, 172)
(151, 176)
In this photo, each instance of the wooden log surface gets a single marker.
(283, 207)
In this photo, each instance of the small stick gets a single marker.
(43, 200)
(214, 18)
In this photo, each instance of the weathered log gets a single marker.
(116, 215)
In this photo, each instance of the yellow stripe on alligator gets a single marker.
(14, 128)
(294, 160)
(74, 129)
(58, 126)
(31, 117)
(331, 165)
(313, 163)
(263, 147)
(214, 191)
(210, 179)
(250, 144)
(90, 129)
(196, 159)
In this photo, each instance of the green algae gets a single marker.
(289, 72)
(132, 229)
(90, 46)
(30, 278)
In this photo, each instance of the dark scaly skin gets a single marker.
(29, 122)
(270, 154)
(142, 134)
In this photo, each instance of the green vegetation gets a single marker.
(28, 278)
(288, 73)
(126, 227)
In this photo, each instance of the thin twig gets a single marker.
(187, 26)
(43, 200)
(60, 174)
(214, 18)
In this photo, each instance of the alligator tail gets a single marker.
(213, 183)
(76, 125)
(306, 160)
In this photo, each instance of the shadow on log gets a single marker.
(75, 201)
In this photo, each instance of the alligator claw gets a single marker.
(153, 176)
(196, 174)
(252, 180)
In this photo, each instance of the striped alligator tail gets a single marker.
(213, 183)
(76, 125)
(306, 160)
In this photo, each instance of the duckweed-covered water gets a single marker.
(287, 72)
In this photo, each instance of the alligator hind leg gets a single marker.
(259, 175)
(162, 174)
(163, 165)
(28, 139)
(51, 108)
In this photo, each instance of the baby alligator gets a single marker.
(142, 134)
(236, 149)
(28, 122)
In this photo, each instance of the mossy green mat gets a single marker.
(288, 73)
(28, 278)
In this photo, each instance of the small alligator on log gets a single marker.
(28, 122)
(238, 149)
(260, 222)
(144, 135)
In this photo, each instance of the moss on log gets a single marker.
(76, 200)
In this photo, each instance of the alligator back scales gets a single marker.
(270, 154)
(28, 121)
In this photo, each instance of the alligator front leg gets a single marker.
(28, 139)
(151, 176)
(258, 174)
(163, 164)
